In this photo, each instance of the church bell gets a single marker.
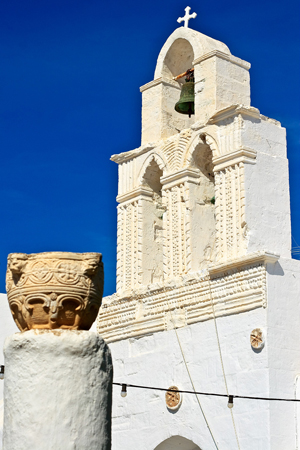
(185, 104)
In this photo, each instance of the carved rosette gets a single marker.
(173, 398)
(55, 289)
(257, 339)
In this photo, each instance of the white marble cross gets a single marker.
(187, 17)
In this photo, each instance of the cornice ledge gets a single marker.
(261, 257)
(125, 156)
(161, 80)
(140, 191)
(218, 53)
(234, 110)
(180, 175)
(243, 154)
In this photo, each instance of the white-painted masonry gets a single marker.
(57, 391)
(7, 327)
(204, 240)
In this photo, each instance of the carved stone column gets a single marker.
(58, 375)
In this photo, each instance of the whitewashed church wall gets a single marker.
(283, 340)
(268, 204)
(265, 135)
(156, 360)
(7, 328)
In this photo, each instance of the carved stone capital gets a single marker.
(55, 289)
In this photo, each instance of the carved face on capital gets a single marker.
(17, 263)
(90, 266)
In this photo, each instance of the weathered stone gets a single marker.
(55, 289)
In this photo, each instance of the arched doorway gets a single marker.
(177, 443)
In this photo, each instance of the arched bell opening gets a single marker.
(203, 222)
(178, 59)
(177, 443)
(153, 211)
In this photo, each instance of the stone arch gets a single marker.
(200, 138)
(199, 43)
(152, 157)
(152, 220)
(177, 443)
(199, 156)
(178, 59)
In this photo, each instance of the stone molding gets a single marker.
(141, 191)
(158, 81)
(188, 174)
(243, 155)
(125, 156)
(234, 110)
(262, 257)
(238, 286)
(227, 57)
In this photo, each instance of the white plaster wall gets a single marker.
(7, 328)
(267, 189)
(57, 391)
(151, 114)
(219, 83)
(283, 335)
(156, 360)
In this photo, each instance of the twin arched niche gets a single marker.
(178, 219)
(177, 443)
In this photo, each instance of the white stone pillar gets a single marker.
(57, 391)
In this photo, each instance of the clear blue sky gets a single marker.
(69, 99)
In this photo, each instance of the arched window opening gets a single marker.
(203, 211)
(152, 177)
(179, 58)
(152, 266)
(202, 160)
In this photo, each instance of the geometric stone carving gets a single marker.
(54, 289)
(257, 339)
(167, 224)
(173, 398)
(237, 286)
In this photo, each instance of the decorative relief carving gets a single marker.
(175, 148)
(257, 339)
(55, 289)
(129, 246)
(230, 212)
(235, 290)
(173, 398)
(188, 232)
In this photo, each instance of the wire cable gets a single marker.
(213, 394)
(190, 377)
(221, 358)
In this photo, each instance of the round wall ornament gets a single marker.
(257, 339)
(173, 398)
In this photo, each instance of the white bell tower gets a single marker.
(204, 248)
